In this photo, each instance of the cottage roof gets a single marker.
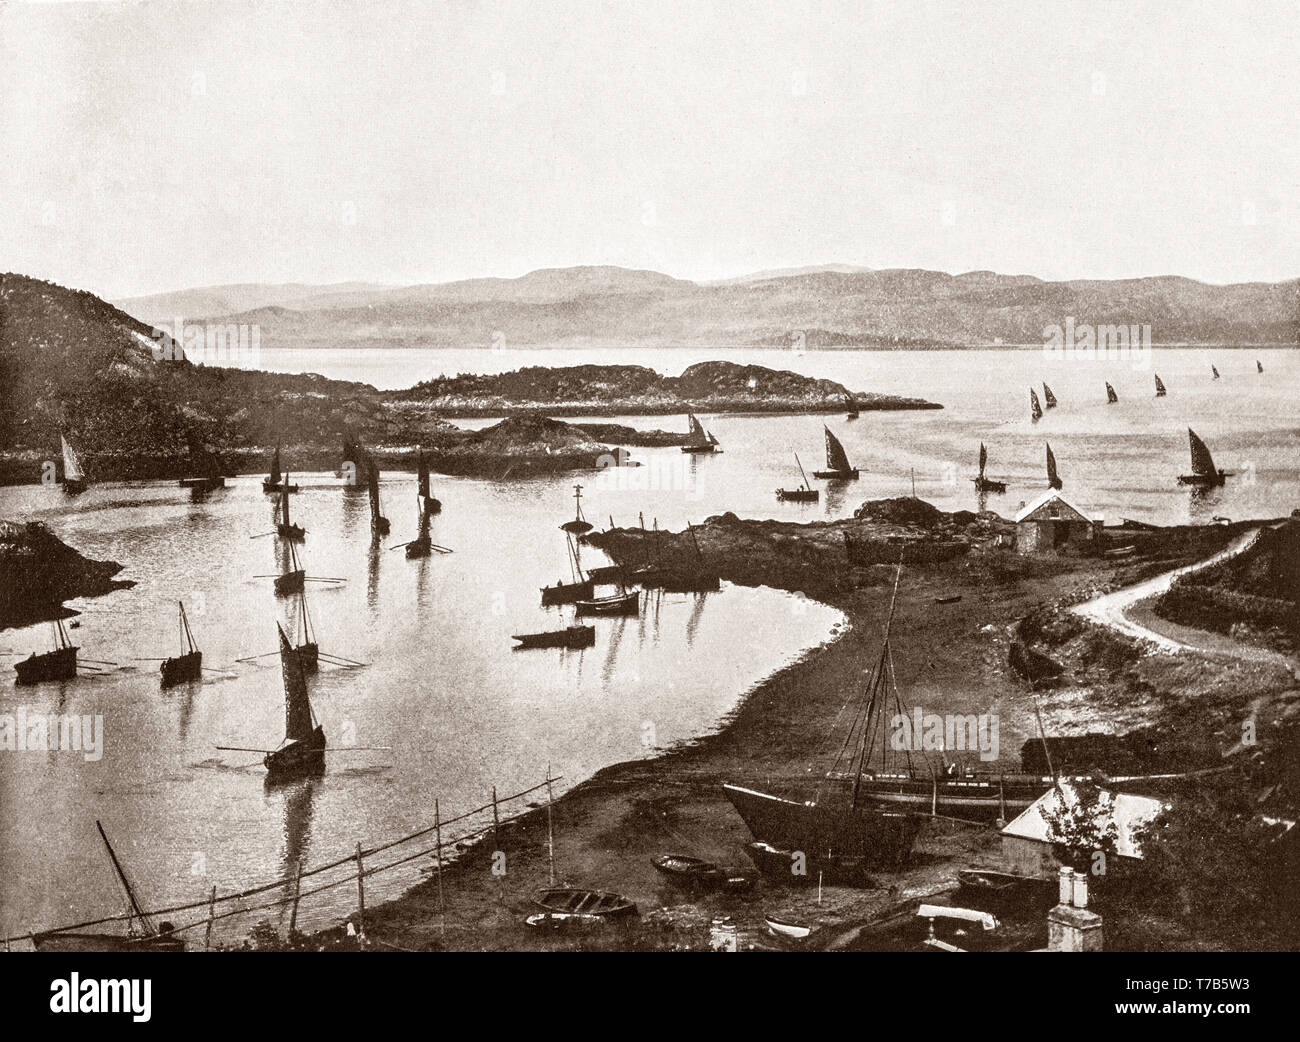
(1052, 506)
(1129, 812)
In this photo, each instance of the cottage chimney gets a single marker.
(1071, 927)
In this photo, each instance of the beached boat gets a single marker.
(583, 586)
(303, 750)
(1035, 410)
(275, 481)
(1204, 473)
(1160, 387)
(141, 935)
(378, 523)
(701, 440)
(805, 493)
(626, 602)
(1111, 396)
(188, 665)
(59, 664)
(1053, 477)
(569, 637)
(800, 868)
(983, 484)
(285, 528)
(696, 873)
(787, 928)
(74, 475)
(837, 821)
(565, 900)
(1049, 399)
(973, 795)
(837, 461)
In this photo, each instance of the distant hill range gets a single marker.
(832, 306)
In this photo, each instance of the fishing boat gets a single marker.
(292, 580)
(1053, 478)
(852, 413)
(625, 602)
(1035, 410)
(837, 461)
(701, 440)
(787, 928)
(805, 493)
(828, 867)
(695, 873)
(566, 900)
(970, 795)
(432, 504)
(1259, 366)
(1204, 472)
(378, 523)
(1215, 371)
(583, 586)
(569, 637)
(307, 649)
(74, 476)
(1160, 387)
(59, 664)
(274, 481)
(188, 665)
(303, 750)
(983, 484)
(838, 821)
(422, 544)
(285, 528)
(1049, 399)
(141, 935)
(1111, 396)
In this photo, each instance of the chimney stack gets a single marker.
(1070, 926)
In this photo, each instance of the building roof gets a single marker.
(1129, 812)
(1052, 506)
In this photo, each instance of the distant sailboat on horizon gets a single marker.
(1035, 409)
(983, 484)
(1049, 399)
(1160, 387)
(74, 476)
(1111, 396)
(1053, 477)
(701, 440)
(1215, 371)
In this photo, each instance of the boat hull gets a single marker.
(298, 759)
(798, 868)
(836, 475)
(985, 485)
(181, 669)
(309, 656)
(879, 838)
(596, 903)
(798, 495)
(626, 604)
(976, 799)
(419, 548)
(294, 533)
(74, 486)
(699, 450)
(567, 593)
(290, 582)
(270, 487)
(570, 637)
(51, 665)
(1203, 480)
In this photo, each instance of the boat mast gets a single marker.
(137, 911)
(187, 638)
(877, 679)
(801, 473)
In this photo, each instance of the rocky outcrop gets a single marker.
(38, 572)
(520, 445)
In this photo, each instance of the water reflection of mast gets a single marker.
(693, 623)
(299, 803)
(615, 638)
(372, 576)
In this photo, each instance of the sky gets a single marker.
(153, 146)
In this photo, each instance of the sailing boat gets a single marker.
(583, 587)
(1160, 387)
(844, 828)
(701, 440)
(188, 665)
(1259, 366)
(1035, 410)
(59, 664)
(1203, 469)
(434, 506)
(569, 637)
(285, 528)
(852, 414)
(805, 493)
(426, 507)
(272, 482)
(1053, 478)
(1215, 371)
(303, 750)
(308, 650)
(1049, 399)
(1111, 396)
(983, 484)
(74, 477)
(837, 461)
(378, 523)
(141, 935)
(292, 580)
(625, 602)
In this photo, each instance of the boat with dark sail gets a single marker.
(701, 440)
(1160, 387)
(837, 461)
(275, 481)
(1259, 366)
(1204, 472)
(59, 664)
(852, 413)
(378, 523)
(1035, 410)
(1049, 399)
(1111, 396)
(285, 528)
(805, 493)
(74, 475)
(302, 752)
(188, 665)
(432, 504)
(1215, 371)
(141, 935)
(582, 586)
(839, 821)
(569, 637)
(1053, 477)
(291, 581)
(983, 484)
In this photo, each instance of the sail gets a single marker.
(836, 458)
(275, 466)
(1049, 397)
(1202, 461)
(1259, 366)
(372, 479)
(1160, 387)
(71, 464)
(697, 430)
(1053, 478)
(1035, 409)
(712, 439)
(298, 720)
(1215, 371)
(284, 505)
(423, 476)
(1111, 396)
(984, 458)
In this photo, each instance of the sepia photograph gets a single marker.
(649, 476)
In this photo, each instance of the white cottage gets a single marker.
(1052, 523)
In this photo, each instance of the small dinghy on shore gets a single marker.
(575, 901)
(786, 928)
(695, 873)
